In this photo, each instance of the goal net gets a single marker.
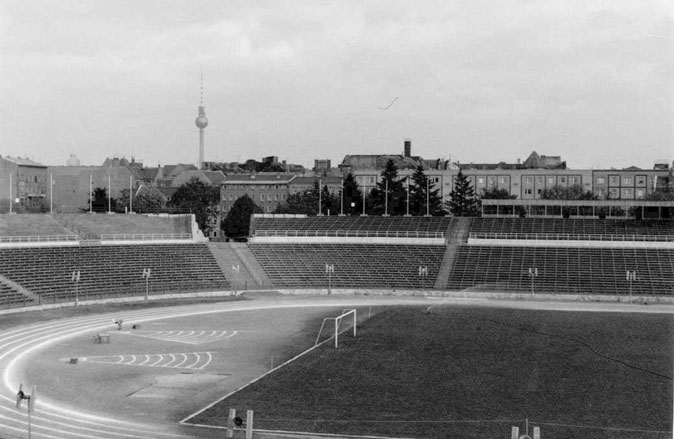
(341, 323)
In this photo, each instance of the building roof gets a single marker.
(216, 177)
(378, 161)
(307, 181)
(260, 177)
(24, 162)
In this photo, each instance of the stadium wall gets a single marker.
(345, 240)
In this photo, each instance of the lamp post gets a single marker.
(533, 272)
(75, 277)
(235, 274)
(423, 273)
(631, 277)
(386, 199)
(320, 202)
(147, 272)
(428, 197)
(329, 270)
(341, 198)
(408, 197)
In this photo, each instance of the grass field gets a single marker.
(473, 373)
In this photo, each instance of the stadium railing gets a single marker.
(144, 236)
(571, 237)
(38, 238)
(351, 233)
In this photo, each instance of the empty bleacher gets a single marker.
(563, 270)
(355, 265)
(95, 225)
(31, 225)
(112, 270)
(10, 297)
(563, 226)
(351, 226)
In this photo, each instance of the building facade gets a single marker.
(25, 183)
(267, 189)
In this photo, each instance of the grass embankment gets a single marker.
(465, 372)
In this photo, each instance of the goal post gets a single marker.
(337, 323)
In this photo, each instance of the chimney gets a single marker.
(408, 148)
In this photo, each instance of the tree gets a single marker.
(145, 200)
(237, 222)
(501, 194)
(199, 199)
(423, 199)
(389, 195)
(99, 201)
(573, 192)
(330, 203)
(353, 197)
(462, 198)
(304, 202)
(497, 194)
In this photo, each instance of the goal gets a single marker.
(338, 322)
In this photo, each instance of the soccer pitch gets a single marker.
(464, 371)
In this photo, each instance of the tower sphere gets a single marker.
(201, 122)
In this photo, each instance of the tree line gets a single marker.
(392, 195)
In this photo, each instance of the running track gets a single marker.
(53, 422)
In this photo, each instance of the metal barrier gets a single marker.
(350, 233)
(571, 237)
(39, 238)
(144, 236)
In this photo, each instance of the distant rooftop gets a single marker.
(23, 162)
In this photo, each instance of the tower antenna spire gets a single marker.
(201, 122)
(202, 86)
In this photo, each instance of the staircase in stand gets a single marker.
(239, 265)
(457, 235)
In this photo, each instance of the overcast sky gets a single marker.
(471, 80)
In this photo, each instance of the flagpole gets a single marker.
(51, 194)
(130, 193)
(91, 193)
(109, 192)
(408, 195)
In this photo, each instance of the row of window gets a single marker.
(252, 187)
(263, 197)
(614, 180)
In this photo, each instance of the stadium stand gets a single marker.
(10, 297)
(355, 265)
(350, 225)
(563, 270)
(95, 225)
(559, 226)
(112, 270)
(31, 225)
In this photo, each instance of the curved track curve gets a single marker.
(54, 419)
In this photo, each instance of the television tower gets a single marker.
(201, 123)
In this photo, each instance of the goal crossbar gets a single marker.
(338, 321)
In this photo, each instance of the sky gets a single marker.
(471, 81)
